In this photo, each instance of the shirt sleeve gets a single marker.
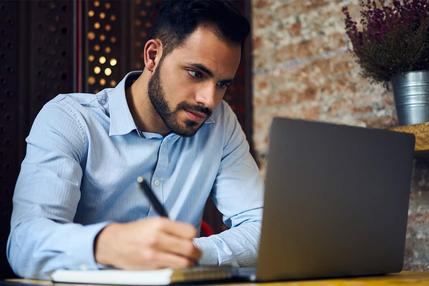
(238, 194)
(43, 236)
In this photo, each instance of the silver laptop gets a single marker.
(336, 201)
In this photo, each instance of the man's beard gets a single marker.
(170, 118)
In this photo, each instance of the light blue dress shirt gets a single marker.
(84, 154)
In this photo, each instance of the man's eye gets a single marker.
(195, 74)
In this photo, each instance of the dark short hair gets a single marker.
(177, 19)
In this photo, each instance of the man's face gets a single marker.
(192, 79)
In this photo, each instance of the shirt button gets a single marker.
(156, 183)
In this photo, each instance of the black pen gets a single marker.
(147, 191)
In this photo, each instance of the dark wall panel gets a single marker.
(9, 120)
(51, 51)
(36, 63)
(104, 51)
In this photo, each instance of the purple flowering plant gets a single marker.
(391, 37)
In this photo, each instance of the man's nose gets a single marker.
(207, 96)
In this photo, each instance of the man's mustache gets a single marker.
(197, 108)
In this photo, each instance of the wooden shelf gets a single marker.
(421, 131)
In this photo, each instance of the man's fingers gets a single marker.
(147, 243)
(178, 246)
(162, 259)
(176, 228)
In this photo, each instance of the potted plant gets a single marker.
(391, 44)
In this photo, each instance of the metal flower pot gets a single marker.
(411, 92)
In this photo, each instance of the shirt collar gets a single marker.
(210, 120)
(121, 119)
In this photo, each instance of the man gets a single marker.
(76, 203)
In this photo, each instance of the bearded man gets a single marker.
(76, 204)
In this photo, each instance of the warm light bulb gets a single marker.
(91, 80)
(91, 36)
(113, 62)
(102, 60)
(108, 71)
(97, 70)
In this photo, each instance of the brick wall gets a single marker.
(302, 69)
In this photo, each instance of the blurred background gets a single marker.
(295, 64)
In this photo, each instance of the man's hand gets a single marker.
(147, 244)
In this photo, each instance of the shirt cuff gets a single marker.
(84, 251)
(208, 249)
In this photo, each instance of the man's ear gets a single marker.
(152, 54)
